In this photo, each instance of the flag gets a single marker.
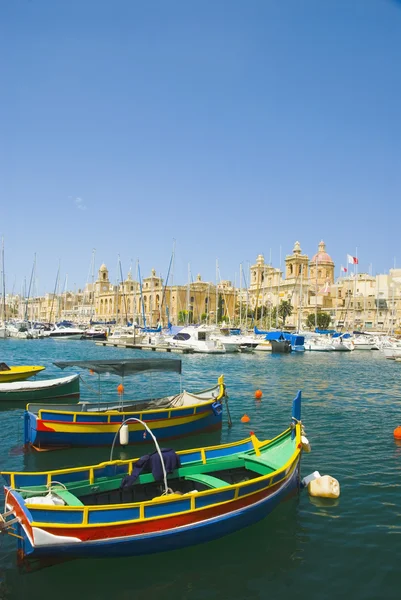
(352, 260)
(343, 269)
(325, 289)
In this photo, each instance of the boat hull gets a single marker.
(49, 432)
(159, 535)
(64, 387)
(19, 373)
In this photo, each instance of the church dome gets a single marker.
(103, 267)
(321, 256)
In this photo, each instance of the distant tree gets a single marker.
(182, 317)
(220, 308)
(285, 310)
(323, 320)
(204, 317)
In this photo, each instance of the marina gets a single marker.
(340, 391)
(200, 300)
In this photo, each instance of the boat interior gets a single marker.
(176, 401)
(193, 477)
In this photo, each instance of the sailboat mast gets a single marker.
(316, 286)
(240, 296)
(93, 285)
(4, 279)
(217, 293)
(300, 299)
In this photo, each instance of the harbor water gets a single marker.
(306, 547)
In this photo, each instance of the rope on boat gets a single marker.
(90, 388)
(229, 420)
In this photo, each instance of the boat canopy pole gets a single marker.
(166, 488)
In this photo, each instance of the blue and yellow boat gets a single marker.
(95, 424)
(115, 509)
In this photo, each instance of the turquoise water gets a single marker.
(351, 405)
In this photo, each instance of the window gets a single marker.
(182, 336)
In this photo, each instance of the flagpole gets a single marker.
(355, 273)
(316, 294)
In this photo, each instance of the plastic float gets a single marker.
(324, 487)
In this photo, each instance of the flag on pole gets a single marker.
(325, 289)
(352, 260)
(343, 269)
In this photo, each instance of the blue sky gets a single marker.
(233, 127)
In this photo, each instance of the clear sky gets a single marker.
(233, 127)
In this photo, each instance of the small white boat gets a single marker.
(318, 344)
(62, 332)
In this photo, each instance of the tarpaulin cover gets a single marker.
(125, 367)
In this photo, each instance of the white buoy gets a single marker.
(324, 487)
(306, 447)
(124, 435)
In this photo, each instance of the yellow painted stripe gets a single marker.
(112, 428)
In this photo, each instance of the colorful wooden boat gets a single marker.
(17, 373)
(30, 391)
(89, 512)
(95, 424)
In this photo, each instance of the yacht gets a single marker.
(64, 332)
(198, 339)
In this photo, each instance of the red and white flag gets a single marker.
(325, 289)
(343, 269)
(352, 260)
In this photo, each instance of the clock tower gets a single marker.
(102, 284)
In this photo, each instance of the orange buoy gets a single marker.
(258, 394)
(120, 388)
(91, 372)
(397, 432)
(245, 419)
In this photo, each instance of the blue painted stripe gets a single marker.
(109, 516)
(228, 451)
(23, 480)
(253, 487)
(190, 457)
(110, 471)
(41, 515)
(72, 476)
(222, 496)
(159, 509)
(50, 416)
(91, 418)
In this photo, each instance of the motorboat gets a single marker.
(198, 339)
(18, 373)
(65, 332)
